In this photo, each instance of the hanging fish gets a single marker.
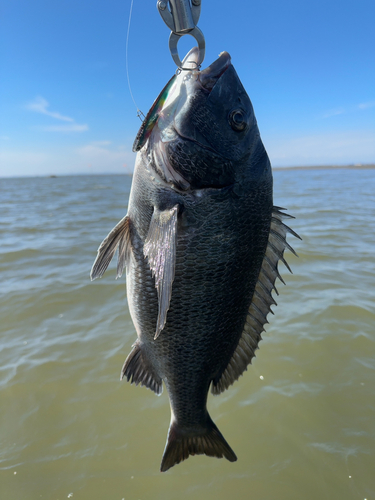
(201, 244)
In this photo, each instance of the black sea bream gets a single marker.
(201, 243)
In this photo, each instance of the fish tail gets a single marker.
(184, 442)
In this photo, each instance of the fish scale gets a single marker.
(201, 243)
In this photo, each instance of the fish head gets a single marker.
(202, 126)
(217, 110)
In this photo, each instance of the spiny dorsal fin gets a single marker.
(120, 237)
(138, 370)
(261, 302)
(160, 249)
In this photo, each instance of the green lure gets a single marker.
(152, 117)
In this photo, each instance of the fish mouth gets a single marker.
(211, 75)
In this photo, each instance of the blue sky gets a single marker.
(65, 107)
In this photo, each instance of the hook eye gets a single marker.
(197, 35)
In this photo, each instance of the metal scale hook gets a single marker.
(182, 18)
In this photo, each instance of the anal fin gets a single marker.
(139, 371)
(160, 250)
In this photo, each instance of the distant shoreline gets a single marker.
(369, 166)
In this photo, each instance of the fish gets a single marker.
(200, 243)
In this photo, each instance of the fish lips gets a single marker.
(211, 75)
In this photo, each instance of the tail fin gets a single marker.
(182, 443)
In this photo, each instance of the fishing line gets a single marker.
(140, 115)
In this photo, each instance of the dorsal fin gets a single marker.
(261, 302)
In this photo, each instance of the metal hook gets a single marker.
(180, 69)
(182, 19)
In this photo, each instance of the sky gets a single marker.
(65, 106)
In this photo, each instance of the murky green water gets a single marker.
(301, 420)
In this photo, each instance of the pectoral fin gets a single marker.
(160, 250)
(119, 238)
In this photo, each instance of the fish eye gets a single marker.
(238, 120)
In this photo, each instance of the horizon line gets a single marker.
(354, 166)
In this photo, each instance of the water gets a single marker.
(302, 418)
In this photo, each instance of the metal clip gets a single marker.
(182, 18)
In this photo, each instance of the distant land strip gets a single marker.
(358, 166)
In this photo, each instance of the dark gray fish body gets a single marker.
(201, 242)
